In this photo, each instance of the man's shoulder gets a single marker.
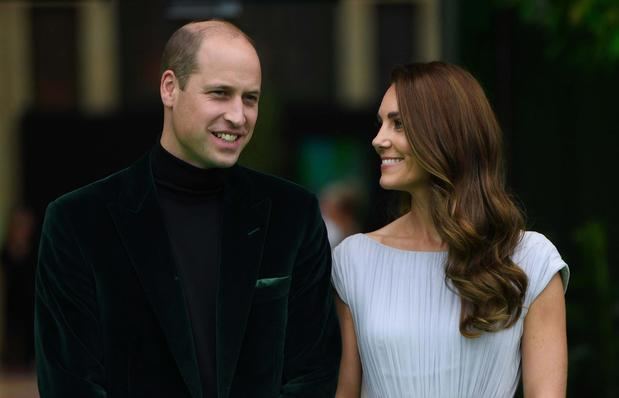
(96, 193)
(273, 185)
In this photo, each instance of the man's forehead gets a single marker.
(212, 29)
(214, 45)
(228, 66)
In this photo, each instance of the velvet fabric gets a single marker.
(110, 314)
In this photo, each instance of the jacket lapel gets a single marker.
(244, 227)
(139, 222)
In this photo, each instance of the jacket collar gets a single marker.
(139, 221)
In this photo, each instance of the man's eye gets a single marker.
(218, 93)
(252, 99)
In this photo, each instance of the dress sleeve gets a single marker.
(542, 262)
(338, 272)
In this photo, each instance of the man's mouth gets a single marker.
(228, 137)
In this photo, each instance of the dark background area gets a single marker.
(551, 74)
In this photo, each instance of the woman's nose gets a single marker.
(380, 141)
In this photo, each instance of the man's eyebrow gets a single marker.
(225, 87)
(216, 87)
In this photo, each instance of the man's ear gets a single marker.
(168, 88)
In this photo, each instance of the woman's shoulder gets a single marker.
(357, 251)
(395, 227)
(363, 243)
(350, 244)
(349, 258)
(540, 260)
(534, 243)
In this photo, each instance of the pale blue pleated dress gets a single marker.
(406, 320)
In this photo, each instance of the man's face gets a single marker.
(211, 120)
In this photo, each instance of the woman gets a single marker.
(449, 299)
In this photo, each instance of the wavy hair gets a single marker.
(456, 138)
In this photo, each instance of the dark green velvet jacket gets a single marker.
(111, 319)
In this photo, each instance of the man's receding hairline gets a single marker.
(181, 51)
(212, 29)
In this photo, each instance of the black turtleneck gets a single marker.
(191, 200)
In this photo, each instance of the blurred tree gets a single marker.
(550, 68)
(598, 356)
(585, 32)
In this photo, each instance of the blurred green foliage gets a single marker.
(551, 70)
(585, 32)
(596, 357)
(266, 151)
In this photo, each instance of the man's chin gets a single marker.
(225, 163)
(209, 163)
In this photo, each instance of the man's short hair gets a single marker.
(179, 54)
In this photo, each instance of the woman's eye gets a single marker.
(397, 124)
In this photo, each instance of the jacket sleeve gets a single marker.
(312, 350)
(67, 329)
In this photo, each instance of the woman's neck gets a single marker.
(418, 223)
(415, 230)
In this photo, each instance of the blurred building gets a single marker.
(81, 93)
(74, 65)
(80, 100)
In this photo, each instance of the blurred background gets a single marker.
(79, 99)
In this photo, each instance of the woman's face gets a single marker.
(399, 168)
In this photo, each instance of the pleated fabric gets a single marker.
(406, 320)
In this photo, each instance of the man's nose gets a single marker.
(235, 114)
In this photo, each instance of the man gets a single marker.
(186, 275)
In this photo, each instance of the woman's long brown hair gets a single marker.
(455, 136)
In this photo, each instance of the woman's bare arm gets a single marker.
(544, 344)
